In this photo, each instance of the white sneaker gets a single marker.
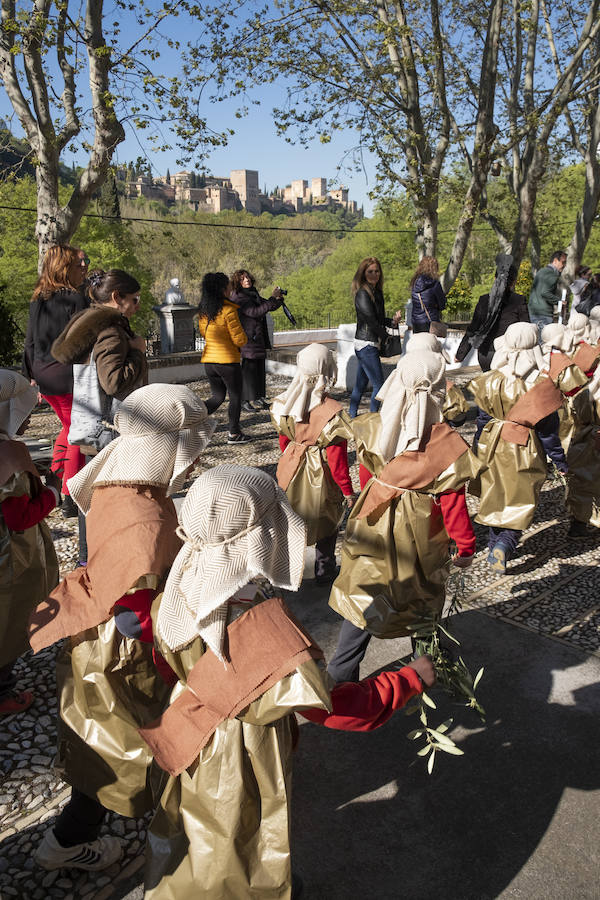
(93, 855)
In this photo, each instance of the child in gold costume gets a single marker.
(583, 458)
(313, 436)
(522, 429)
(107, 676)
(455, 406)
(395, 561)
(221, 830)
(28, 564)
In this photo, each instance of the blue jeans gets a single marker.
(369, 370)
(541, 322)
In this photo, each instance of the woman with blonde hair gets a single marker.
(427, 295)
(58, 295)
(371, 322)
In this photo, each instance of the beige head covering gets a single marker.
(425, 341)
(578, 327)
(17, 399)
(236, 523)
(518, 354)
(413, 397)
(555, 337)
(594, 325)
(163, 429)
(316, 374)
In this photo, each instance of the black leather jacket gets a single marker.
(370, 315)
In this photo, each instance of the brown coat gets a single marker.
(121, 368)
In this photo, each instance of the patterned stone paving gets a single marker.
(551, 589)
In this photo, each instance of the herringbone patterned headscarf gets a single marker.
(425, 341)
(556, 337)
(236, 523)
(17, 399)
(316, 374)
(579, 327)
(163, 428)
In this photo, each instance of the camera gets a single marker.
(283, 292)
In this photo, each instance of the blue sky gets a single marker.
(255, 144)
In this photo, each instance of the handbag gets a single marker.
(92, 409)
(391, 344)
(425, 310)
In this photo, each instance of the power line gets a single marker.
(342, 229)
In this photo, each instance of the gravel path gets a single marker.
(551, 589)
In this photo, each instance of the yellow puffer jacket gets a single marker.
(224, 335)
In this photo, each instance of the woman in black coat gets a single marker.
(253, 311)
(493, 314)
(58, 295)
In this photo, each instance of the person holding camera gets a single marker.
(371, 322)
(252, 310)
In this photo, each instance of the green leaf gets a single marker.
(454, 750)
(448, 635)
(430, 763)
(425, 750)
(427, 699)
(413, 735)
(477, 678)
(442, 738)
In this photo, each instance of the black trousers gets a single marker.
(254, 379)
(80, 820)
(325, 555)
(225, 378)
(349, 653)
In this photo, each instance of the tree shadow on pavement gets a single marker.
(369, 822)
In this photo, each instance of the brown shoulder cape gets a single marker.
(413, 469)
(558, 363)
(539, 401)
(131, 532)
(306, 435)
(586, 356)
(263, 646)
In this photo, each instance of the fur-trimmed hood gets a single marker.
(76, 342)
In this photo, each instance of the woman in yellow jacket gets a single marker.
(220, 327)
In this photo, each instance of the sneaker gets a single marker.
(247, 407)
(262, 403)
(497, 559)
(91, 856)
(69, 508)
(16, 703)
(578, 530)
(238, 438)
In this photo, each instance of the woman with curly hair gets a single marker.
(58, 295)
(427, 295)
(253, 311)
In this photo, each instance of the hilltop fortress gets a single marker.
(239, 191)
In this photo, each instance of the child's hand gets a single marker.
(424, 668)
(53, 481)
(462, 562)
(350, 500)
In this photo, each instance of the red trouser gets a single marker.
(67, 459)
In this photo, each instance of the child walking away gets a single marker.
(313, 471)
(28, 564)
(583, 458)
(244, 665)
(512, 448)
(455, 406)
(558, 347)
(107, 676)
(395, 561)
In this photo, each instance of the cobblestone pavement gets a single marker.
(551, 589)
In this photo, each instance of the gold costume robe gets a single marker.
(568, 378)
(28, 563)
(394, 570)
(583, 458)
(221, 830)
(312, 492)
(513, 473)
(456, 405)
(108, 684)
